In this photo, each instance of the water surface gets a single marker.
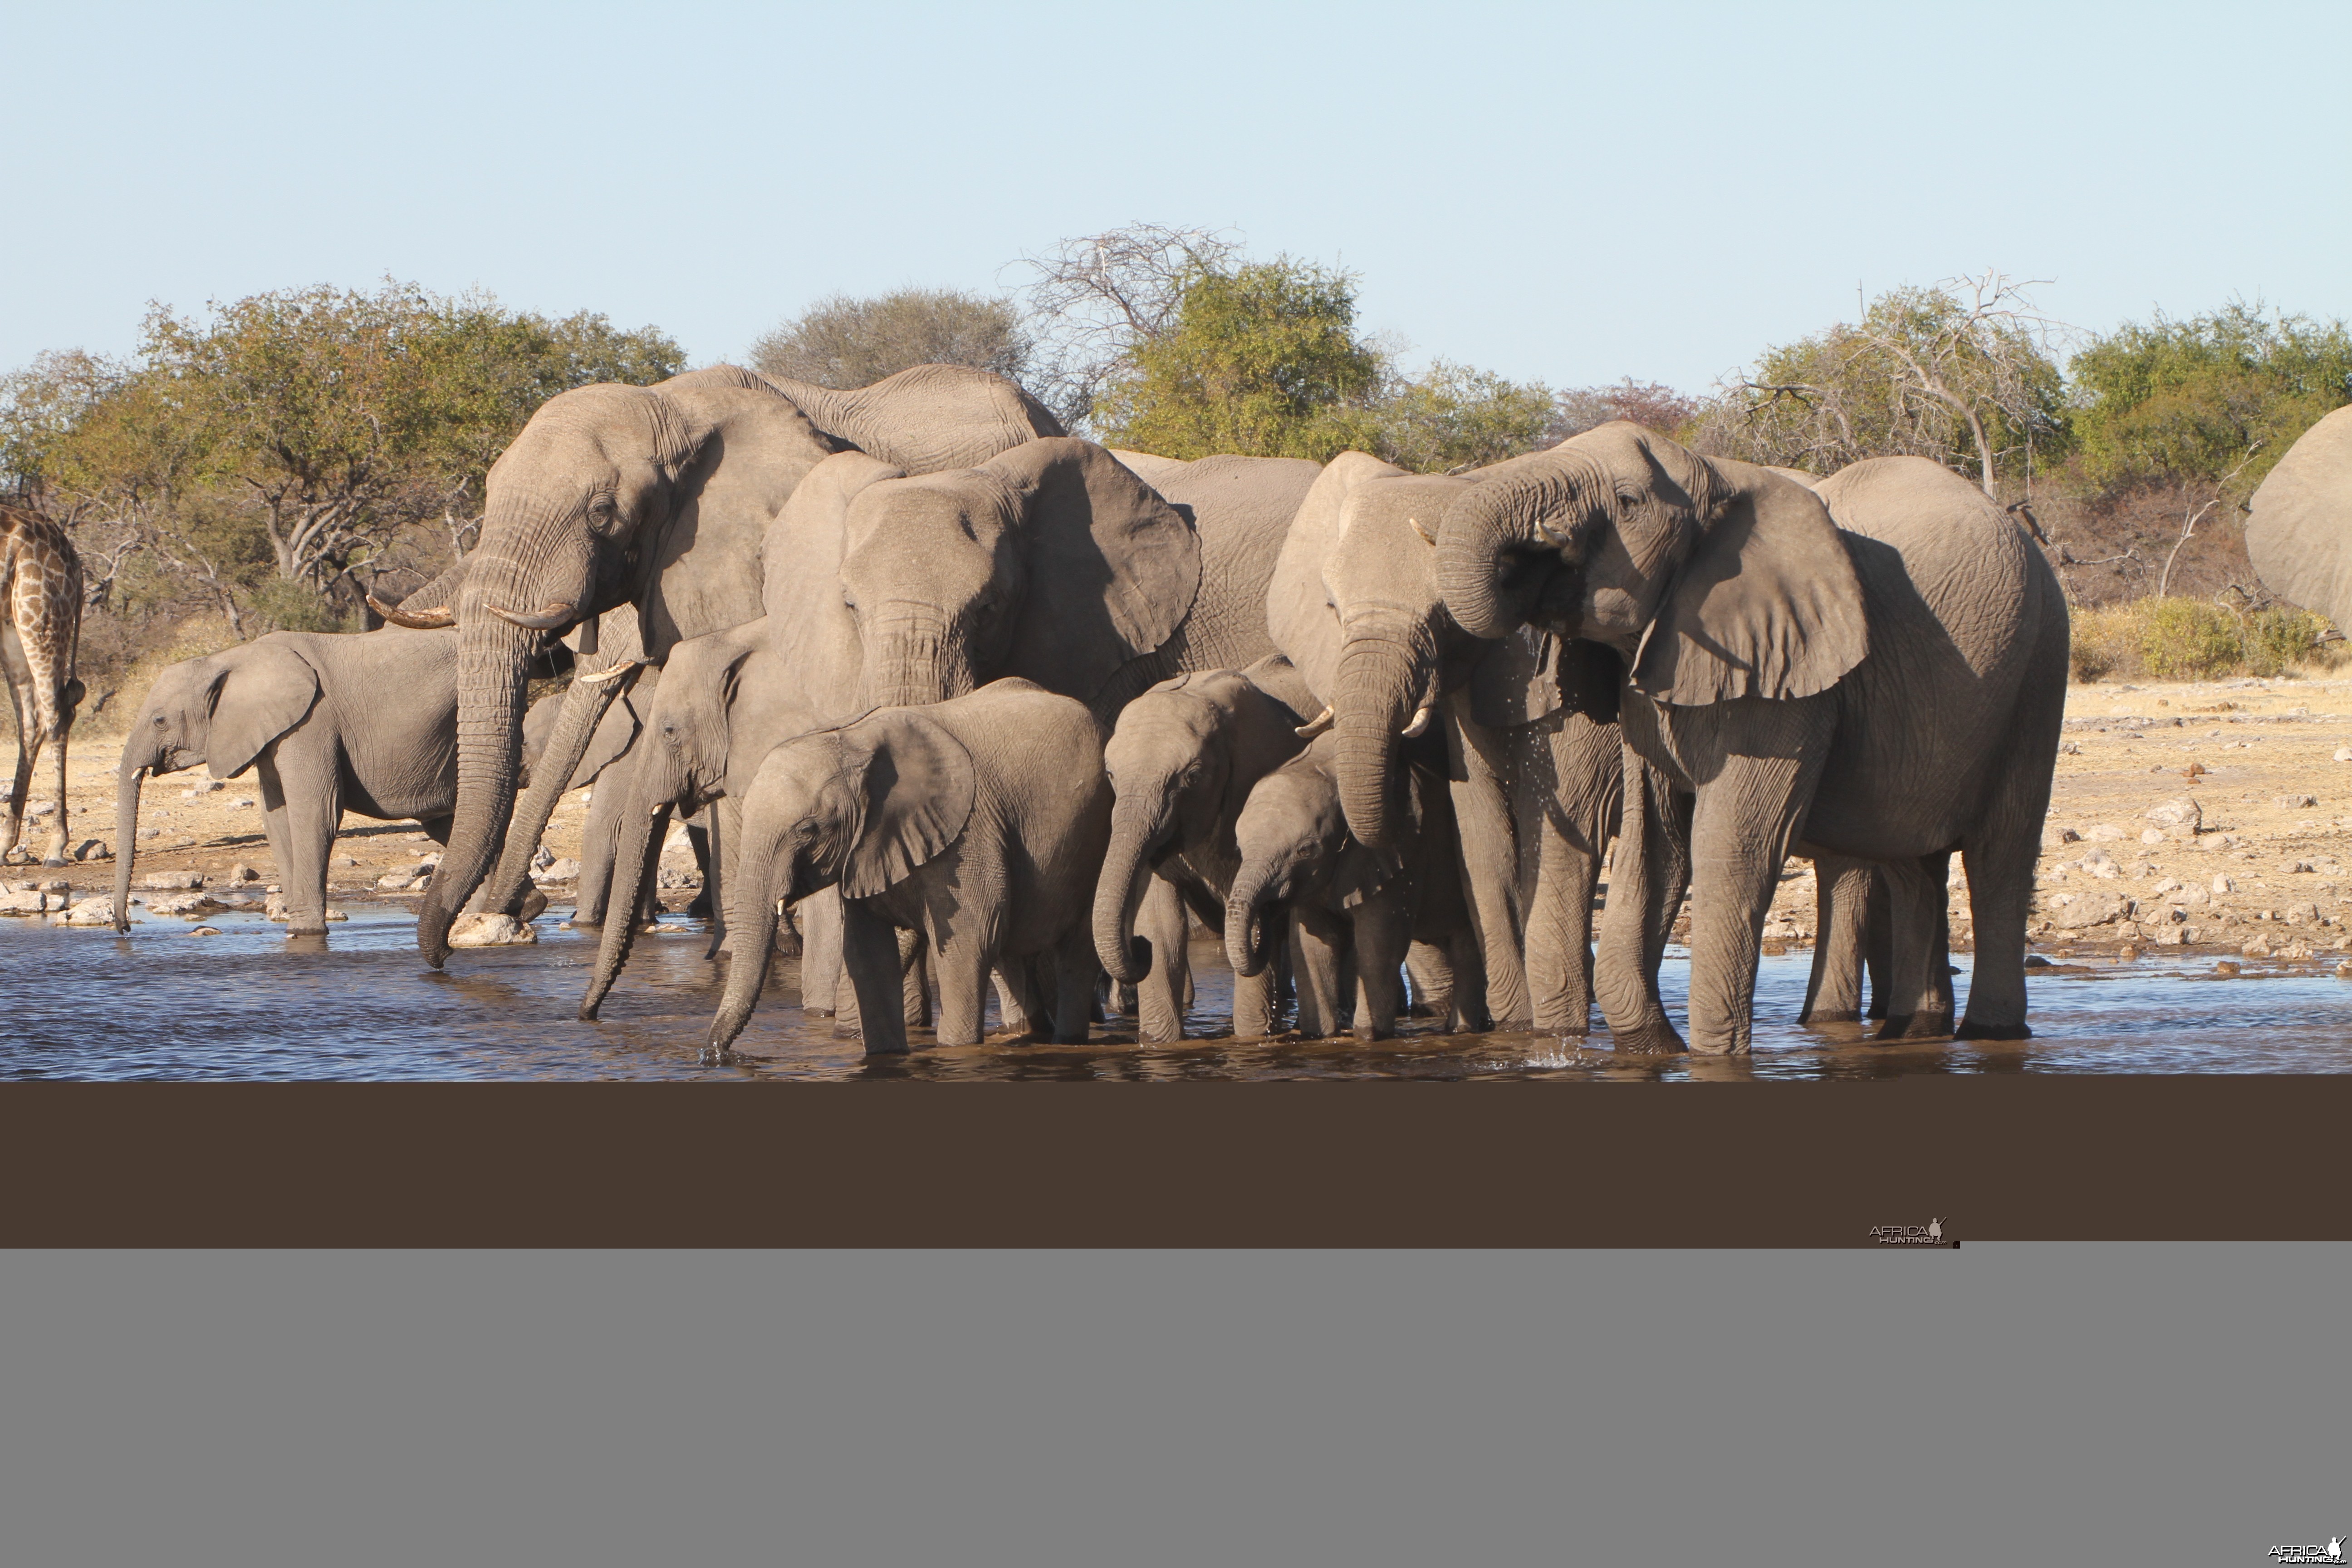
(162, 1003)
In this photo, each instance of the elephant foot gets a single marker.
(589, 922)
(1657, 1039)
(1843, 1015)
(1915, 1026)
(701, 910)
(534, 904)
(1972, 1030)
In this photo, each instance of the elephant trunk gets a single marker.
(1384, 680)
(1486, 533)
(133, 773)
(756, 892)
(915, 655)
(636, 857)
(496, 645)
(584, 706)
(1246, 947)
(1135, 831)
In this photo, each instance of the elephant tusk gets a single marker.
(431, 620)
(1315, 726)
(615, 673)
(1426, 537)
(1420, 722)
(1559, 540)
(555, 614)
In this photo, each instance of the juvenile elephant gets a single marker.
(614, 735)
(1342, 905)
(361, 721)
(1888, 693)
(976, 823)
(1182, 762)
(656, 498)
(1529, 722)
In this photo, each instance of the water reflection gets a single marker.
(248, 1003)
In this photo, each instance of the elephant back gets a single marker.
(2300, 535)
(1241, 508)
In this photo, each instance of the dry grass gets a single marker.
(2179, 638)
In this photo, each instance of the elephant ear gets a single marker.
(1766, 603)
(1362, 872)
(2300, 536)
(1113, 567)
(1297, 612)
(738, 449)
(262, 690)
(615, 733)
(1518, 680)
(917, 781)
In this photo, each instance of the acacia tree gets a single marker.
(1961, 372)
(1093, 301)
(841, 341)
(274, 451)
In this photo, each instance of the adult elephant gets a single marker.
(2300, 535)
(1891, 693)
(1528, 719)
(657, 498)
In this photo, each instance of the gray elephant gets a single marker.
(365, 723)
(1528, 722)
(1887, 692)
(2299, 536)
(976, 823)
(656, 498)
(1182, 761)
(1343, 907)
(615, 734)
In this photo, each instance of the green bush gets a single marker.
(2177, 638)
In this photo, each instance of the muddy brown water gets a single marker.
(247, 1003)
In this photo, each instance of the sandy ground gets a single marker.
(2266, 867)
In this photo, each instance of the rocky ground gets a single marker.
(203, 836)
(2212, 817)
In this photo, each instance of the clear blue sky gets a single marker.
(1572, 192)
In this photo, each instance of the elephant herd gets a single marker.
(972, 703)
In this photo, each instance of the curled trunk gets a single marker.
(1382, 681)
(1119, 894)
(1247, 948)
(1476, 545)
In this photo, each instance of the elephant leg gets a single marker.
(1316, 946)
(1077, 968)
(870, 953)
(963, 969)
(1382, 932)
(1841, 917)
(277, 827)
(311, 790)
(584, 705)
(1878, 946)
(1919, 1000)
(819, 918)
(1016, 996)
(2000, 893)
(914, 980)
(1160, 994)
(1482, 816)
(1560, 923)
(1345, 994)
(1647, 876)
(1257, 1007)
(1739, 838)
(697, 838)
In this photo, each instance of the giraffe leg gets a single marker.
(28, 741)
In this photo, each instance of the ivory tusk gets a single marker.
(1315, 726)
(615, 673)
(1426, 537)
(431, 620)
(1420, 722)
(551, 615)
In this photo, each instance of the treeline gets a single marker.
(276, 459)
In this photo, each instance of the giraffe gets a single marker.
(40, 582)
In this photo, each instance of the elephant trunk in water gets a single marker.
(763, 880)
(644, 823)
(136, 766)
(498, 642)
(1247, 947)
(1386, 679)
(1136, 828)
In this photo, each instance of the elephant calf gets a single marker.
(1345, 899)
(978, 823)
(330, 722)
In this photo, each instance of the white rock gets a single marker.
(2104, 833)
(2182, 813)
(91, 913)
(171, 881)
(490, 930)
(26, 902)
(2151, 836)
(564, 871)
(2344, 753)
(2225, 884)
